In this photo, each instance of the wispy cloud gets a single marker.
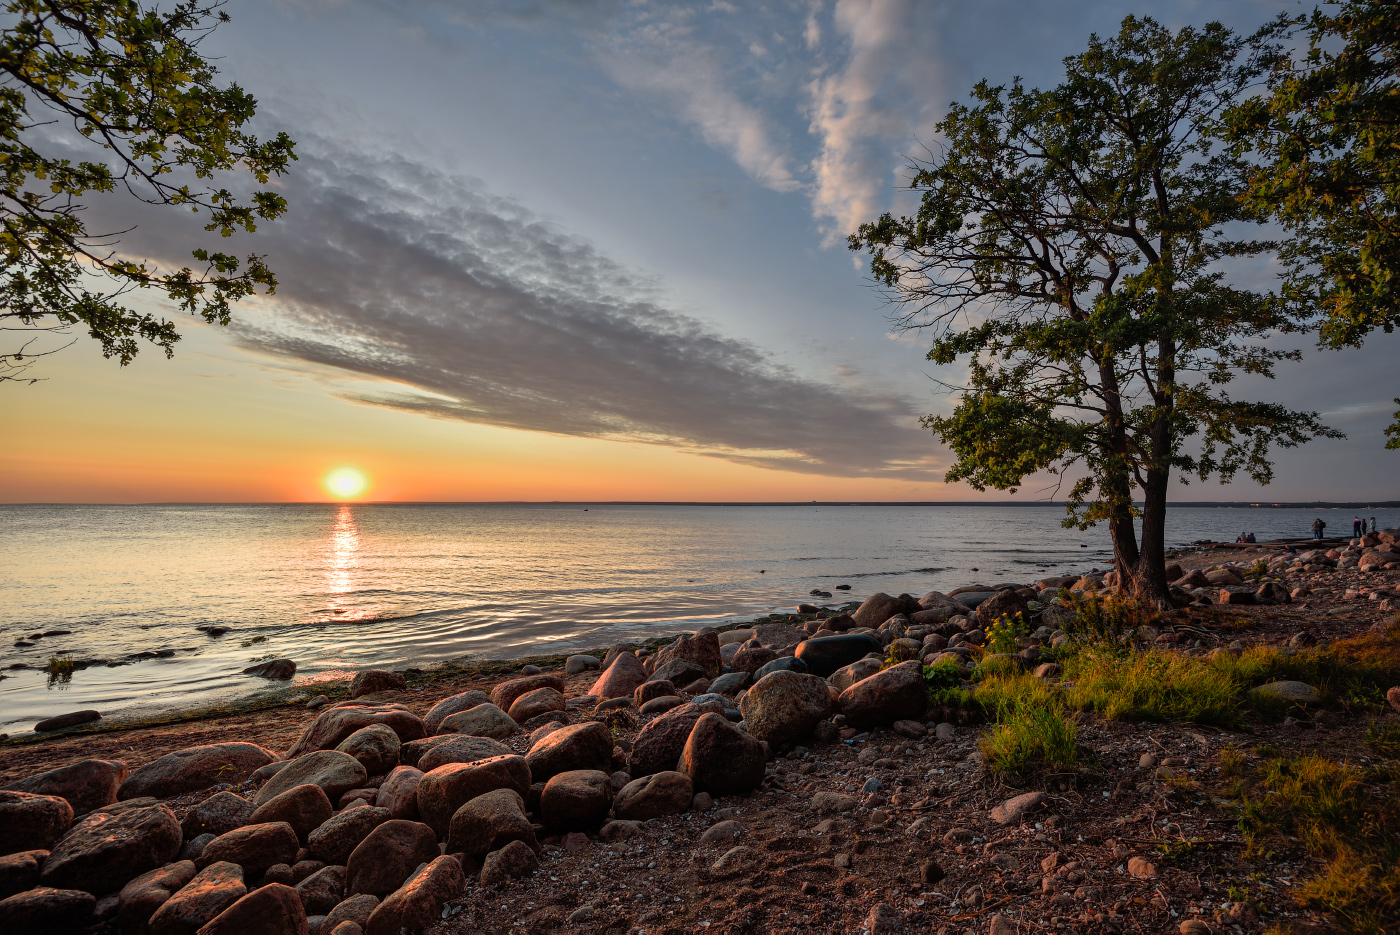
(868, 107)
(477, 309)
(660, 56)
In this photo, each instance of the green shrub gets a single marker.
(1004, 632)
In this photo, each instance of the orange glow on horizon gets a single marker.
(346, 483)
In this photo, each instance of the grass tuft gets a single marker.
(1033, 731)
(1152, 686)
(1334, 811)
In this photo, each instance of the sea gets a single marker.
(343, 587)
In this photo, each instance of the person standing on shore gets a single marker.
(1355, 528)
(1373, 525)
(1317, 527)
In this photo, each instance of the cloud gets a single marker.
(479, 310)
(660, 57)
(869, 108)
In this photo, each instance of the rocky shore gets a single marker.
(827, 770)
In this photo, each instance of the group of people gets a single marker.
(1358, 528)
(1246, 537)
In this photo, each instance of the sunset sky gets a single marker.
(585, 250)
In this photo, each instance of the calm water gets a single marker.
(338, 588)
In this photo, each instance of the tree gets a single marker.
(1329, 133)
(128, 83)
(1072, 245)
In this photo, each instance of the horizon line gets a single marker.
(1252, 504)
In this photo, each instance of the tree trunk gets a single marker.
(1149, 572)
(1115, 484)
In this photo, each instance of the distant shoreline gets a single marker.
(1220, 504)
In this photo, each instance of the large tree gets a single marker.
(113, 96)
(1074, 246)
(1329, 132)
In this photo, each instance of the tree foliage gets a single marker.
(1072, 246)
(1329, 131)
(1329, 135)
(127, 83)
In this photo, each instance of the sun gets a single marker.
(345, 483)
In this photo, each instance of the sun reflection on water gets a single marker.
(343, 557)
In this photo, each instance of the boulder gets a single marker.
(32, 822)
(335, 772)
(218, 814)
(731, 683)
(721, 759)
(1292, 692)
(254, 848)
(335, 724)
(107, 849)
(86, 785)
(277, 670)
(781, 664)
(1192, 579)
(323, 890)
(418, 903)
(504, 694)
(304, 807)
(140, 898)
(620, 679)
(700, 648)
(212, 890)
(579, 746)
(1235, 595)
(1005, 603)
(785, 706)
(356, 909)
(464, 701)
(652, 689)
(847, 676)
(511, 862)
(576, 800)
(485, 720)
(20, 871)
(778, 636)
(1271, 592)
(377, 680)
(444, 790)
(751, 658)
(337, 838)
(824, 655)
(665, 793)
(489, 822)
(399, 792)
(382, 861)
(534, 703)
(71, 719)
(578, 664)
(461, 748)
(662, 704)
(375, 746)
(677, 672)
(45, 910)
(274, 909)
(892, 695)
(195, 768)
(876, 609)
(658, 745)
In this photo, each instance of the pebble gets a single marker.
(884, 919)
